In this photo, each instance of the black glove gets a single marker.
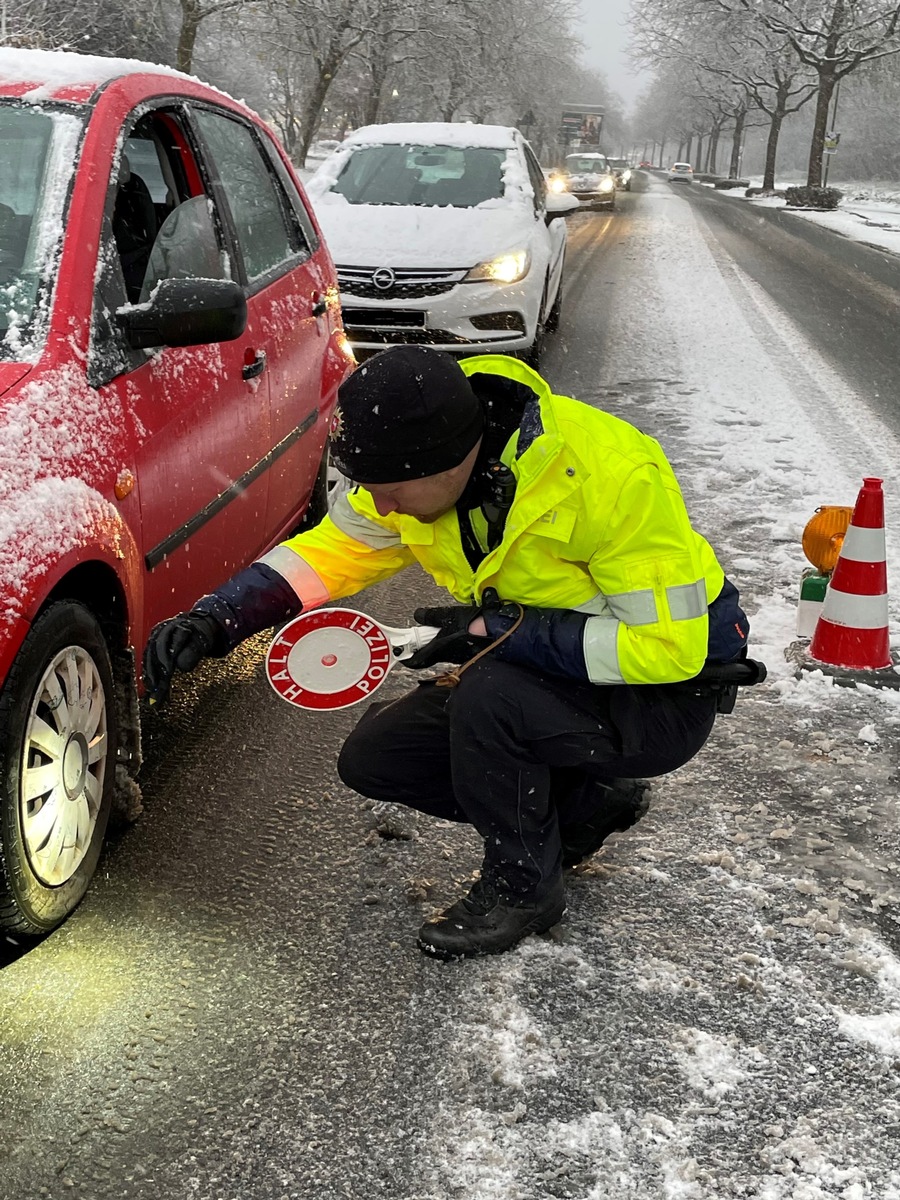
(454, 643)
(178, 645)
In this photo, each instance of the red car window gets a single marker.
(163, 221)
(268, 236)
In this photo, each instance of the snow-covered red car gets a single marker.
(444, 234)
(170, 353)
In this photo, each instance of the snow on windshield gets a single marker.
(428, 233)
(422, 175)
(38, 151)
(433, 133)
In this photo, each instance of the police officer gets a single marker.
(583, 595)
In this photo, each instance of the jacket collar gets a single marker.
(548, 470)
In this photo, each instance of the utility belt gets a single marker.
(722, 680)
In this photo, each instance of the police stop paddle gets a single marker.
(335, 657)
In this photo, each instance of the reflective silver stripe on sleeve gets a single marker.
(687, 601)
(601, 655)
(296, 571)
(360, 528)
(597, 606)
(635, 608)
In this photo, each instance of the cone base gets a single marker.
(851, 648)
(881, 677)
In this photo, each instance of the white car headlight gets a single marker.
(557, 184)
(607, 185)
(626, 176)
(505, 268)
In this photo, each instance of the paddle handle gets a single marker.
(406, 642)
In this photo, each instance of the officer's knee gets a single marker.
(355, 764)
(487, 692)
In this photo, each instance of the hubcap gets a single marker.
(63, 766)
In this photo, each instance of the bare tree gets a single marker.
(833, 38)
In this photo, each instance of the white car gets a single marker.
(681, 173)
(591, 180)
(443, 234)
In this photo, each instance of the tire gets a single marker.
(553, 317)
(317, 507)
(58, 747)
(533, 354)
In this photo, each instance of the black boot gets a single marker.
(627, 800)
(489, 921)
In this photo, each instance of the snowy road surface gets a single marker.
(238, 1011)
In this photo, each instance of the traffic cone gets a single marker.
(852, 631)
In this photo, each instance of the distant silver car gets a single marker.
(621, 169)
(681, 173)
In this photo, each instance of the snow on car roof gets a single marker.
(66, 76)
(431, 133)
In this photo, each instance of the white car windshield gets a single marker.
(433, 176)
(586, 164)
(37, 153)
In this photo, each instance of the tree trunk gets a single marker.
(772, 149)
(311, 112)
(699, 154)
(712, 148)
(191, 16)
(820, 125)
(736, 144)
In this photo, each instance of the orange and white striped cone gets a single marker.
(852, 632)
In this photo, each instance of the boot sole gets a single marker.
(537, 925)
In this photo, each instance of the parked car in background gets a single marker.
(170, 353)
(621, 169)
(590, 179)
(443, 234)
(681, 173)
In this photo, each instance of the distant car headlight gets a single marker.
(558, 184)
(505, 268)
(607, 185)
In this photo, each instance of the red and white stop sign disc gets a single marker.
(329, 658)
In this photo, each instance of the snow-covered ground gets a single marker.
(720, 1014)
(868, 212)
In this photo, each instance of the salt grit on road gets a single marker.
(720, 1014)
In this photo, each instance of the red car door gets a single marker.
(200, 414)
(287, 286)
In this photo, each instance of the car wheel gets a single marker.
(58, 744)
(533, 354)
(553, 317)
(317, 505)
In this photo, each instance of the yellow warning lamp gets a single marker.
(824, 536)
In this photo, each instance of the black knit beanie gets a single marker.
(404, 414)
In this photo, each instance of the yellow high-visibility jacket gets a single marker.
(598, 525)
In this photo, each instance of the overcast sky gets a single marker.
(605, 34)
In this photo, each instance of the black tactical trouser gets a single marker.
(518, 754)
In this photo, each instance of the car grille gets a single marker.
(399, 283)
(382, 318)
(386, 326)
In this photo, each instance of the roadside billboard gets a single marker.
(581, 124)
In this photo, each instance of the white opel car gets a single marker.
(443, 234)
